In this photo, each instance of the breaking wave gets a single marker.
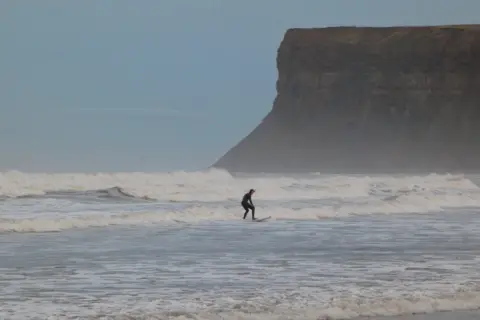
(218, 185)
(290, 307)
(54, 202)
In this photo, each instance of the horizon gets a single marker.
(154, 87)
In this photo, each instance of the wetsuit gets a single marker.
(248, 205)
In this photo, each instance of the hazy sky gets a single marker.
(152, 85)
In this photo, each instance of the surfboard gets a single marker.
(262, 220)
(179, 221)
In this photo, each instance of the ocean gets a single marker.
(175, 246)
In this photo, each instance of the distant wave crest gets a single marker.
(219, 185)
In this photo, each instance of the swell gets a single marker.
(108, 194)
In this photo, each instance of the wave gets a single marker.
(54, 202)
(114, 193)
(218, 185)
(64, 220)
(285, 308)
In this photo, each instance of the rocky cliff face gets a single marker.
(370, 100)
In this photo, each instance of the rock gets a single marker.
(370, 100)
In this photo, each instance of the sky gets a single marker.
(156, 85)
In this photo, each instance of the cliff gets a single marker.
(370, 100)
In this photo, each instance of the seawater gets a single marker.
(174, 246)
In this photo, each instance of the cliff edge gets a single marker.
(370, 100)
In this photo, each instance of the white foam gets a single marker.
(254, 309)
(354, 195)
(57, 221)
(218, 185)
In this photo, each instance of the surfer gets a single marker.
(247, 204)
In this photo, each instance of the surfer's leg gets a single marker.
(253, 211)
(246, 210)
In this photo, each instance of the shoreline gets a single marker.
(440, 315)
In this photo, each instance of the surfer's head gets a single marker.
(251, 191)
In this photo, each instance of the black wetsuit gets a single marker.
(248, 205)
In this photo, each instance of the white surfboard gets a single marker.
(179, 221)
(261, 220)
